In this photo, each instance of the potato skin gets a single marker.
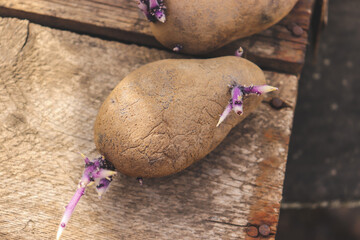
(202, 26)
(162, 117)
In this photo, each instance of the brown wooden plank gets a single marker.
(121, 20)
(51, 86)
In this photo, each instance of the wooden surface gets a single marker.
(276, 48)
(52, 84)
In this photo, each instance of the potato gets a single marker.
(162, 117)
(202, 26)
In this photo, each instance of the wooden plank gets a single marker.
(276, 48)
(52, 84)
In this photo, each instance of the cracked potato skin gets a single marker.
(202, 26)
(162, 117)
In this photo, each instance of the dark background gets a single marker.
(322, 184)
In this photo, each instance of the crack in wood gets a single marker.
(27, 36)
(226, 223)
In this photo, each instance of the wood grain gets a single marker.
(275, 48)
(52, 84)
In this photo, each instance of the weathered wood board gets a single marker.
(52, 83)
(276, 48)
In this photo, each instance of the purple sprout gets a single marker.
(239, 52)
(154, 10)
(99, 171)
(238, 92)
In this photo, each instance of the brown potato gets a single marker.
(162, 117)
(201, 26)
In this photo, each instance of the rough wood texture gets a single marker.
(276, 48)
(52, 84)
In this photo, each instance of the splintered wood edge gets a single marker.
(275, 49)
(53, 84)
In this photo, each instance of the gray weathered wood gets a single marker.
(52, 84)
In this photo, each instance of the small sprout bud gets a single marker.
(177, 48)
(239, 52)
(103, 186)
(86, 159)
(238, 108)
(140, 180)
(160, 15)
